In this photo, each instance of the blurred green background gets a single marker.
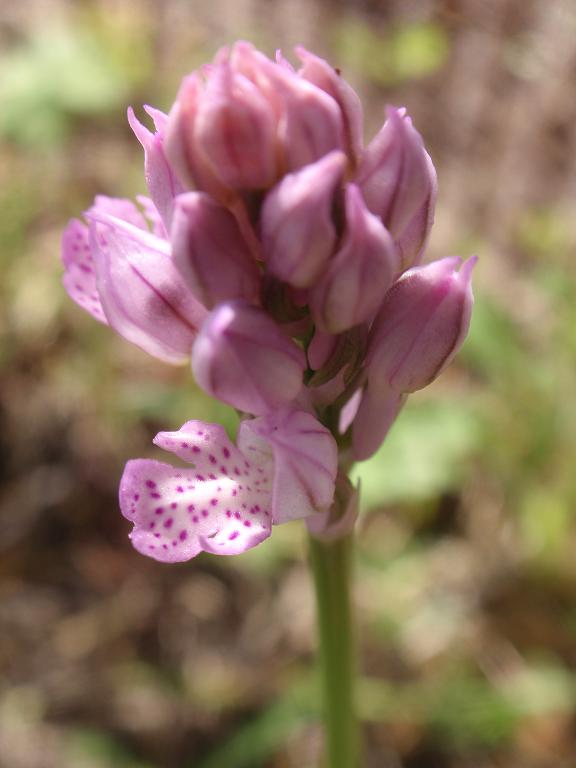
(466, 567)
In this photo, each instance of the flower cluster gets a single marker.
(283, 257)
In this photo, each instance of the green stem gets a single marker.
(331, 566)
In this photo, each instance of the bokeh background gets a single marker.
(466, 566)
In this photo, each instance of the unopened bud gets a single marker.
(210, 253)
(244, 359)
(421, 325)
(398, 181)
(298, 232)
(359, 274)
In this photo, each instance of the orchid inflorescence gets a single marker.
(283, 258)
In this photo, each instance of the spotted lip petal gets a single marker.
(221, 503)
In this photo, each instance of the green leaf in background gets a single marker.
(258, 739)
(402, 53)
(60, 72)
(423, 455)
(92, 748)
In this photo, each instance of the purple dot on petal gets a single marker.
(159, 510)
(200, 477)
(155, 495)
(191, 507)
(195, 449)
(180, 489)
(234, 535)
(247, 523)
(226, 453)
(195, 519)
(173, 505)
(136, 496)
(150, 484)
(213, 502)
(169, 523)
(184, 445)
(183, 535)
(228, 513)
(237, 515)
(205, 513)
(212, 459)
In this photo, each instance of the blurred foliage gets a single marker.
(61, 72)
(424, 455)
(391, 55)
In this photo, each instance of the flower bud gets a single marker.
(320, 73)
(182, 152)
(311, 124)
(421, 325)
(210, 253)
(142, 294)
(243, 358)
(359, 274)
(235, 129)
(309, 120)
(298, 234)
(398, 181)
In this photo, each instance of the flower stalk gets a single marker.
(331, 565)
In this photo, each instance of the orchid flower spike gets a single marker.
(283, 259)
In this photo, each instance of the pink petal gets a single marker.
(219, 504)
(374, 418)
(142, 293)
(305, 461)
(160, 178)
(80, 275)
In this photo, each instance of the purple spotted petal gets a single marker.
(80, 275)
(220, 503)
(305, 461)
